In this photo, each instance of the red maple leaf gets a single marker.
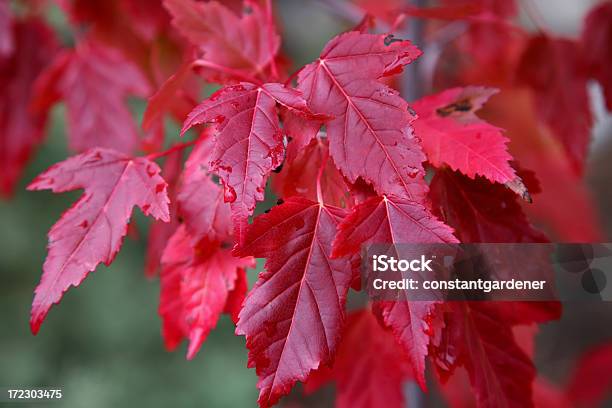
(293, 316)
(248, 140)
(196, 283)
(92, 230)
(369, 134)
(396, 221)
(32, 44)
(94, 81)
(451, 134)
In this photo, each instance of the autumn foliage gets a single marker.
(497, 143)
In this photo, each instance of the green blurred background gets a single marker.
(102, 345)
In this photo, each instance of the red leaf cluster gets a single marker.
(351, 160)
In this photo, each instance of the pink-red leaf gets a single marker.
(94, 81)
(370, 134)
(92, 230)
(196, 283)
(451, 134)
(293, 316)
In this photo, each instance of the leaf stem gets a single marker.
(172, 149)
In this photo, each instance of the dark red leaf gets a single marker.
(480, 211)
(92, 230)
(293, 316)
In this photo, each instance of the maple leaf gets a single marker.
(196, 283)
(248, 141)
(396, 221)
(370, 368)
(596, 40)
(234, 45)
(452, 134)
(370, 134)
(94, 81)
(476, 337)
(480, 211)
(92, 230)
(293, 316)
(554, 69)
(201, 201)
(32, 45)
